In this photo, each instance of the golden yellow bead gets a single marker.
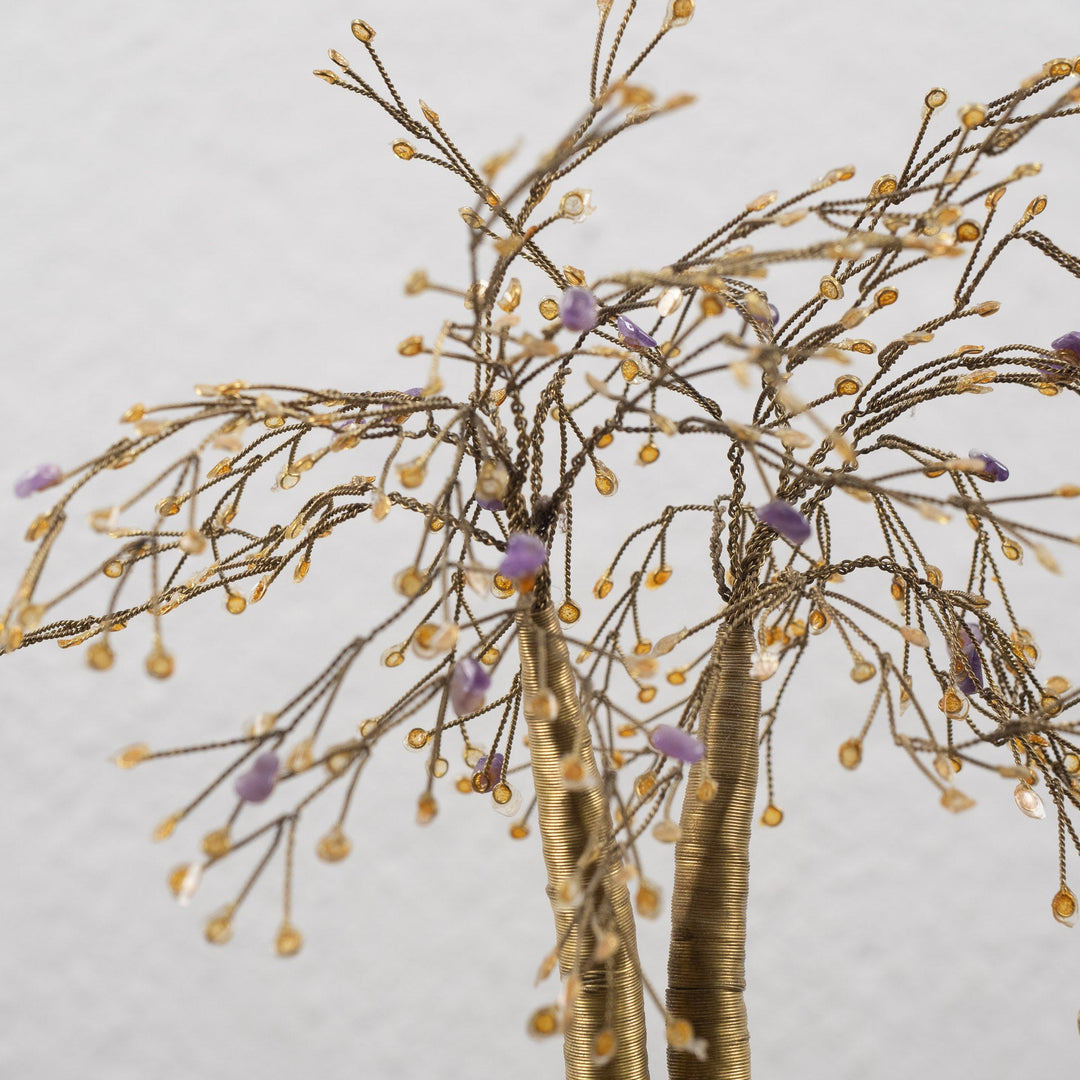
(519, 830)
(605, 480)
(549, 308)
(648, 453)
(100, 656)
(602, 588)
(569, 612)
(403, 149)
(489, 656)
(235, 604)
(863, 671)
(411, 346)
(502, 587)
(1064, 906)
(300, 757)
(169, 506)
(217, 843)
(334, 846)
(847, 385)
(850, 753)
(772, 815)
(629, 370)
(544, 1022)
(607, 439)
(130, 756)
(830, 289)
(219, 928)
(289, 940)
(676, 676)
(393, 657)
(646, 694)
(502, 793)
(160, 664)
(644, 784)
(165, 828)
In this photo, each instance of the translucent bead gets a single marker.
(300, 757)
(644, 784)
(602, 587)
(972, 115)
(607, 439)
(818, 621)
(334, 846)
(393, 657)
(936, 97)
(667, 832)
(956, 801)
(1064, 906)
(676, 676)
(648, 453)
(289, 940)
(184, 880)
(217, 843)
(1029, 802)
(772, 815)
(403, 149)
(660, 576)
(544, 706)
(549, 308)
(646, 694)
(850, 753)
(1071, 763)
(114, 568)
(519, 830)
(235, 604)
(847, 385)
(569, 612)
(416, 739)
(707, 790)
(219, 927)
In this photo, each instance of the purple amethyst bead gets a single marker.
(493, 770)
(37, 479)
(525, 555)
(468, 685)
(969, 635)
(490, 504)
(632, 334)
(257, 784)
(786, 520)
(992, 470)
(675, 743)
(578, 309)
(1069, 342)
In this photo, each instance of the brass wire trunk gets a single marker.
(706, 962)
(577, 838)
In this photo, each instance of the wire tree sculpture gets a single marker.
(537, 378)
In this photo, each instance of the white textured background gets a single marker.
(183, 202)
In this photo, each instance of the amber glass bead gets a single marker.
(605, 480)
(235, 604)
(417, 739)
(1064, 906)
(464, 785)
(647, 901)
(130, 756)
(676, 676)
(772, 815)
(502, 793)
(569, 612)
(519, 830)
(178, 876)
(113, 568)
(847, 385)
(645, 784)
(830, 288)
(549, 308)
(426, 809)
(334, 846)
(660, 576)
(818, 621)
(602, 587)
(489, 656)
(648, 453)
(502, 587)
(629, 370)
(605, 440)
(362, 31)
(403, 149)
(544, 1022)
(165, 828)
(863, 671)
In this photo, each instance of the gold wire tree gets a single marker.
(537, 371)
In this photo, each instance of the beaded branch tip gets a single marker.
(488, 467)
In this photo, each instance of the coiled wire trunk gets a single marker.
(706, 961)
(576, 834)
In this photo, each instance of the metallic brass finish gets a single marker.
(706, 964)
(572, 823)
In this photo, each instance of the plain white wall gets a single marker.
(183, 202)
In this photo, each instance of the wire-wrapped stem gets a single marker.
(706, 962)
(578, 844)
